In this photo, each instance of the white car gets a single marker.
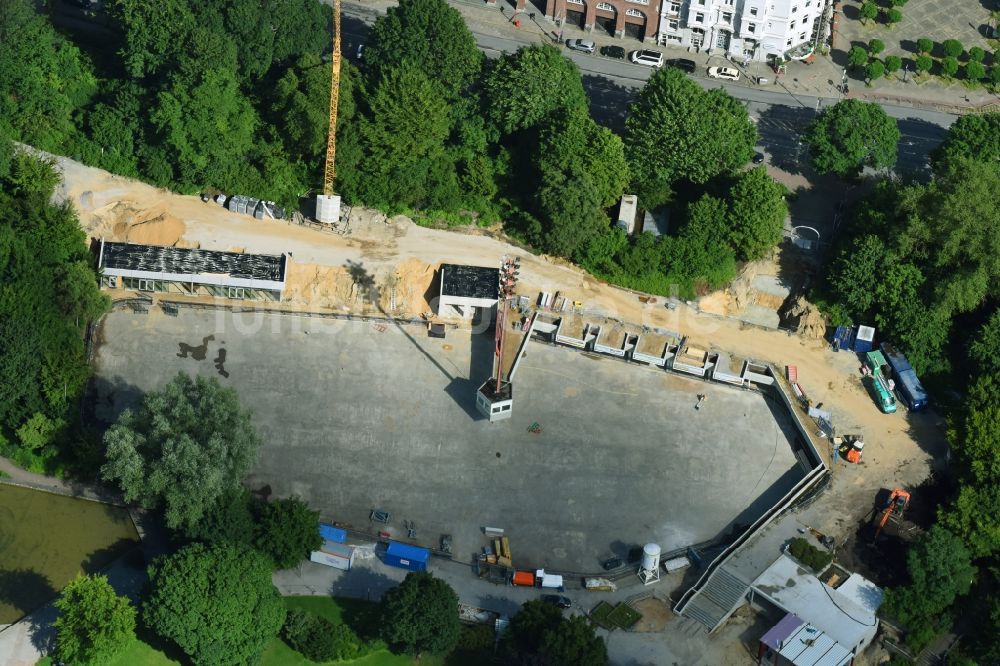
(647, 57)
(727, 73)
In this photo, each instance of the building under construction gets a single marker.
(182, 271)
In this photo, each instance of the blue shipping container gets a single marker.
(843, 338)
(331, 533)
(406, 557)
(911, 391)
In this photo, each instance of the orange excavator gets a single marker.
(899, 499)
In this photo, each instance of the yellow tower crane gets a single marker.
(328, 203)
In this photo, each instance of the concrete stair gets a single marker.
(712, 603)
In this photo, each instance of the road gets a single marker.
(781, 114)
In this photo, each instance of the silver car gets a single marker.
(584, 45)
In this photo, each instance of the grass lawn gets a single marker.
(360, 614)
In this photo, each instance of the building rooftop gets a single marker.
(795, 590)
(183, 261)
(805, 645)
(469, 281)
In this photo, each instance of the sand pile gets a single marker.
(718, 302)
(806, 318)
(122, 221)
(317, 286)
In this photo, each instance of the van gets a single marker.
(647, 57)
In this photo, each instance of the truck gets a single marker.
(907, 384)
(881, 385)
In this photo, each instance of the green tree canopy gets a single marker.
(184, 448)
(44, 81)
(287, 531)
(893, 64)
(217, 603)
(952, 48)
(925, 45)
(677, 130)
(420, 615)
(539, 633)
(851, 135)
(521, 89)
(876, 46)
(949, 66)
(430, 36)
(874, 70)
(94, 623)
(923, 63)
(857, 56)
(975, 136)
(984, 350)
(757, 212)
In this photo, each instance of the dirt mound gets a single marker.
(122, 221)
(805, 318)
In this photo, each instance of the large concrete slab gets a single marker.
(356, 418)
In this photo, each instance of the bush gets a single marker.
(893, 64)
(809, 555)
(894, 16)
(925, 45)
(876, 46)
(974, 71)
(976, 54)
(923, 63)
(874, 70)
(949, 66)
(952, 48)
(318, 639)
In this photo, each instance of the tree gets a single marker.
(995, 75)
(522, 89)
(874, 70)
(319, 639)
(925, 45)
(94, 623)
(876, 46)
(305, 124)
(923, 63)
(677, 130)
(855, 270)
(288, 531)
(869, 10)
(539, 633)
(230, 519)
(851, 135)
(420, 615)
(976, 54)
(949, 66)
(984, 350)
(940, 569)
(857, 56)
(974, 71)
(699, 253)
(184, 448)
(893, 64)
(952, 48)
(893, 16)
(217, 603)
(437, 43)
(757, 212)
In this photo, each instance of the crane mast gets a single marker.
(328, 203)
(331, 141)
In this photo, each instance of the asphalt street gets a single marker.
(781, 114)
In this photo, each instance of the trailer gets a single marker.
(881, 384)
(407, 557)
(907, 383)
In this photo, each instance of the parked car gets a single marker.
(616, 52)
(682, 64)
(727, 73)
(612, 563)
(584, 45)
(647, 57)
(557, 600)
(758, 158)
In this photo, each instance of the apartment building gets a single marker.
(752, 29)
(631, 19)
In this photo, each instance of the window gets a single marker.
(575, 2)
(791, 25)
(672, 24)
(802, 37)
(111, 281)
(788, 43)
(701, 2)
(753, 11)
(605, 7)
(727, 17)
(751, 28)
(675, 7)
(634, 12)
(145, 285)
(699, 18)
(795, 9)
(238, 293)
(640, 2)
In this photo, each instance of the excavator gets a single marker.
(894, 509)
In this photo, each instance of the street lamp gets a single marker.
(843, 83)
(906, 70)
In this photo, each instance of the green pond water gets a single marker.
(46, 540)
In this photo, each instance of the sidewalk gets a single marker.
(819, 78)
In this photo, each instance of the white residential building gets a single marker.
(753, 29)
